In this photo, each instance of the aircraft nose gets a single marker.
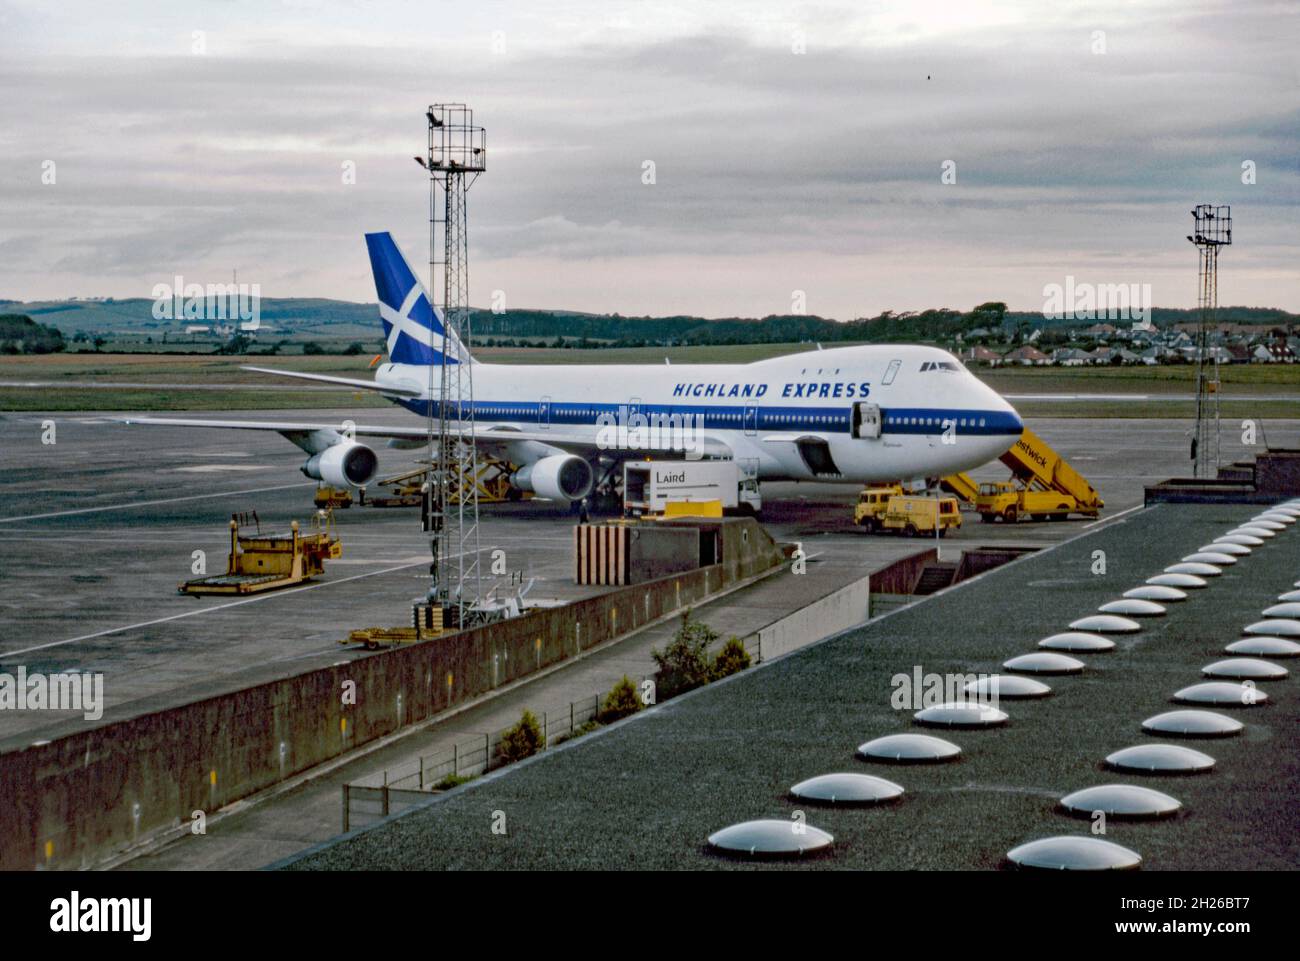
(1006, 417)
(1013, 419)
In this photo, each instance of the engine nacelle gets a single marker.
(348, 464)
(558, 477)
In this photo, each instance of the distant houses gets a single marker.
(1070, 357)
(981, 355)
(1026, 356)
(1278, 352)
(1105, 344)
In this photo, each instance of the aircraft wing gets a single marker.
(501, 442)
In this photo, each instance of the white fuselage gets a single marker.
(936, 417)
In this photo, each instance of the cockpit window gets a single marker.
(939, 365)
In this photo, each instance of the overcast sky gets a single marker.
(1081, 134)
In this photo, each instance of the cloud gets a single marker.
(822, 169)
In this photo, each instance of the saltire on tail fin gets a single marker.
(413, 328)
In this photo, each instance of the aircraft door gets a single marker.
(866, 420)
(751, 419)
(544, 412)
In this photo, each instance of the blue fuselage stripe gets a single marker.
(753, 417)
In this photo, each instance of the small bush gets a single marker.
(578, 732)
(453, 780)
(684, 664)
(523, 740)
(621, 701)
(732, 658)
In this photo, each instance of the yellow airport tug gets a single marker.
(266, 562)
(334, 498)
(892, 510)
(426, 624)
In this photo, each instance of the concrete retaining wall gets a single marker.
(847, 607)
(1277, 472)
(981, 559)
(82, 798)
(901, 576)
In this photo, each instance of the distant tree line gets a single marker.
(541, 328)
(533, 328)
(19, 334)
(578, 330)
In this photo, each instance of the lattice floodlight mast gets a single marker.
(457, 155)
(1212, 230)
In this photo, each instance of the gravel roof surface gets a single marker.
(646, 793)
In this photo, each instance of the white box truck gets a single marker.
(649, 486)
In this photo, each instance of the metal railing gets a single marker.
(383, 794)
(477, 754)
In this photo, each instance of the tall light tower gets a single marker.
(1212, 230)
(457, 155)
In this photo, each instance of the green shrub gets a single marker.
(684, 664)
(453, 780)
(586, 728)
(621, 701)
(523, 740)
(732, 658)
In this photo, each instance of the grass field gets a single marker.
(157, 381)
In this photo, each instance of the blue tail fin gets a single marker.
(414, 329)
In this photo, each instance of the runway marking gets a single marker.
(204, 610)
(220, 468)
(409, 559)
(220, 607)
(153, 503)
(1107, 520)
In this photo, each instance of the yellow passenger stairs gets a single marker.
(1043, 486)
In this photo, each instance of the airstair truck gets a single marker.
(1042, 486)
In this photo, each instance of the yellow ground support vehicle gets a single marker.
(492, 483)
(269, 561)
(1042, 486)
(1010, 501)
(426, 623)
(891, 509)
(332, 498)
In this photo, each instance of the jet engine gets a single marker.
(347, 464)
(558, 477)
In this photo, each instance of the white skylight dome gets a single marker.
(1078, 641)
(770, 839)
(909, 749)
(1074, 853)
(852, 789)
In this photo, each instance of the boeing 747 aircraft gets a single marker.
(854, 415)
